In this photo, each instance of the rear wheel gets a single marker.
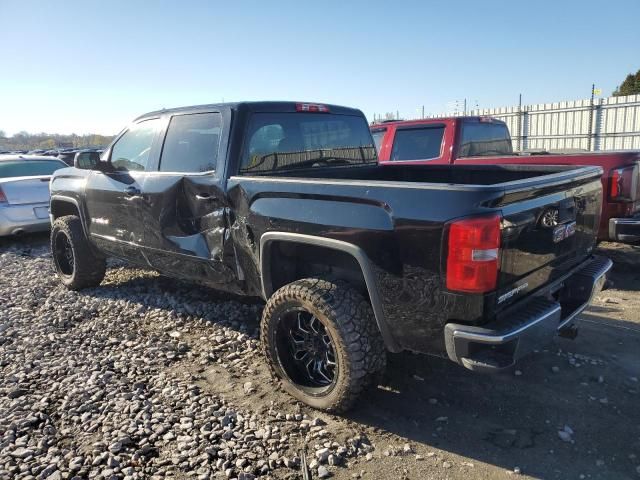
(73, 259)
(321, 342)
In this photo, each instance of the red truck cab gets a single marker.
(486, 140)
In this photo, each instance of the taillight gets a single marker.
(311, 107)
(474, 251)
(622, 186)
(3, 197)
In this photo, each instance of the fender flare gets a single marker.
(65, 199)
(74, 202)
(356, 252)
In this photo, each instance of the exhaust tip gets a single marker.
(18, 232)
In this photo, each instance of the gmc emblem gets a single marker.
(563, 231)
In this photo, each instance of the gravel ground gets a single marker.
(145, 377)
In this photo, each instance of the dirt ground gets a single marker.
(569, 411)
(461, 425)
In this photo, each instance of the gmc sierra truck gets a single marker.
(486, 140)
(286, 201)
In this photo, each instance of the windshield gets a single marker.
(284, 141)
(29, 168)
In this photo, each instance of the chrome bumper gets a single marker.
(626, 230)
(498, 345)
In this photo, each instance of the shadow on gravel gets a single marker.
(24, 244)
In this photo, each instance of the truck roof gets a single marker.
(420, 121)
(257, 106)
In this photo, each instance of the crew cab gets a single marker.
(286, 201)
(486, 140)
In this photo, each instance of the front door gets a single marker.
(113, 196)
(184, 208)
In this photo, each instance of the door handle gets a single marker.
(203, 196)
(132, 191)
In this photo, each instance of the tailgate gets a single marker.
(26, 190)
(547, 230)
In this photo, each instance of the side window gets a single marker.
(417, 143)
(191, 144)
(131, 151)
(378, 135)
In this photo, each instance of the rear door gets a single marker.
(113, 198)
(184, 206)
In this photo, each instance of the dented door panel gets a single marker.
(185, 225)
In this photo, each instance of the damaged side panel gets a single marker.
(185, 223)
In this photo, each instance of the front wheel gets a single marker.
(73, 259)
(321, 342)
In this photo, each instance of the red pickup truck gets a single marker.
(486, 140)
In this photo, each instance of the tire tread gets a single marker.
(89, 269)
(353, 318)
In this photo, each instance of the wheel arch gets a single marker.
(60, 206)
(353, 251)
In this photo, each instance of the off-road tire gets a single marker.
(88, 268)
(348, 318)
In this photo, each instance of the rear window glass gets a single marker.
(284, 141)
(484, 139)
(420, 143)
(28, 168)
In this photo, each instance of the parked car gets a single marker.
(67, 156)
(24, 193)
(485, 140)
(286, 201)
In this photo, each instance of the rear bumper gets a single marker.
(17, 219)
(624, 230)
(498, 345)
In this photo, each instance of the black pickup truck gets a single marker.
(285, 201)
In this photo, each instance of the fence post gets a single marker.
(525, 129)
(520, 123)
(590, 134)
(597, 135)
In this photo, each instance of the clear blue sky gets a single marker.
(91, 66)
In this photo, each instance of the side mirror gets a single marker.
(87, 161)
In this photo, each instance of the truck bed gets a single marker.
(451, 176)
(398, 215)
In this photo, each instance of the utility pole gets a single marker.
(465, 107)
(423, 111)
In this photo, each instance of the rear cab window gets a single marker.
(286, 141)
(480, 137)
(421, 142)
